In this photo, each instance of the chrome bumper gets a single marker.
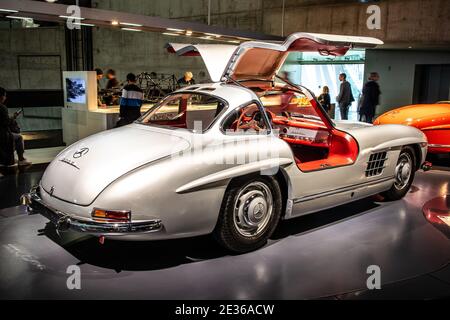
(65, 222)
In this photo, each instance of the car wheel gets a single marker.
(404, 175)
(250, 213)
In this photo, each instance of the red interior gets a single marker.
(315, 143)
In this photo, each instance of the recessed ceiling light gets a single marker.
(130, 24)
(71, 17)
(19, 18)
(171, 34)
(213, 35)
(131, 29)
(175, 30)
(8, 11)
(115, 23)
(84, 24)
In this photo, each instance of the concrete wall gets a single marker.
(397, 72)
(135, 52)
(404, 23)
(138, 52)
(31, 58)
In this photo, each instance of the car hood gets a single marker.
(420, 115)
(82, 171)
(345, 125)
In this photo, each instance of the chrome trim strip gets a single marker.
(340, 190)
(439, 146)
(69, 162)
(64, 221)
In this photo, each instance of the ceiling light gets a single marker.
(130, 24)
(174, 30)
(213, 35)
(233, 41)
(131, 29)
(170, 34)
(84, 24)
(115, 23)
(8, 11)
(71, 17)
(19, 18)
(189, 33)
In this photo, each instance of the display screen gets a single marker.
(76, 90)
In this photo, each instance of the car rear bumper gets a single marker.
(64, 222)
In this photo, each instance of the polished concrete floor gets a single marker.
(323, 255)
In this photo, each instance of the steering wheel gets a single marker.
(252, 124)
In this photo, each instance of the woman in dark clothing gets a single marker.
(9, 141)
(370, 98)
(325, 99)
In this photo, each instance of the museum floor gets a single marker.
(323, 255)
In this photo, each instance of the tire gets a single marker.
(404, 175)
(247, 225)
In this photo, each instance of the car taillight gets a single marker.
(111, 215)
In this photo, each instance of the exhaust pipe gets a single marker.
(427, 166)
(25, 199)
(63, 224)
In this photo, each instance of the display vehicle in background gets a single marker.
(432, 119)
(231, 158)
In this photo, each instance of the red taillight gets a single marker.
(111, 215)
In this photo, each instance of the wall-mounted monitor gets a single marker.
(80, 90)
(76, 90)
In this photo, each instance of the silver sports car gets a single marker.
(229, 158)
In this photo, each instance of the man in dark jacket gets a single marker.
(130, 102)
(345, 97)
(370, 98)
(9, 140)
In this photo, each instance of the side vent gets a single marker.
(376, 164)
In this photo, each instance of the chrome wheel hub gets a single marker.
(403, 171)
(253, 209)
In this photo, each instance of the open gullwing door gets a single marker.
(215, 56)
(262, 60)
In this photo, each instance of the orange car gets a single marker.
(432, 119)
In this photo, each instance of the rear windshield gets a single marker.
(191, 111)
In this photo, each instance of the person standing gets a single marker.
(345, 97)
(370, 98)
(99, 73)
(130, 102)
(187, 80)
(325, 99)
(9, 140)
(112, 80)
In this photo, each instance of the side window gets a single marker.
(247, 119)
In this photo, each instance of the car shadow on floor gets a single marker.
(156, 255)
(321, 219)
